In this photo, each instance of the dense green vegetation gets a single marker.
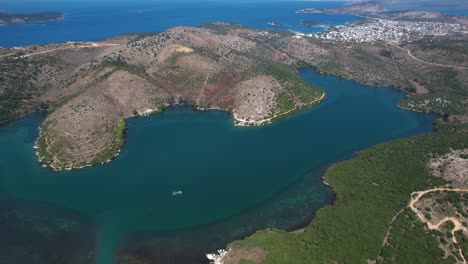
(446, 80)
(22, 81)
(444, 84)
(296, 89)
(447, 87)
(439, 103)
(120, 64)
(17, 91)
(370, 189)
(410, 242)
(223, 28)
(455, 49)
(44, 155)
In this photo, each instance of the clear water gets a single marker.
(235, 180)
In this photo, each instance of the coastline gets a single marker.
(236, 121)
(337, 175)
(26, 18)
(32, 22)
(414, 110)
(218, 109)
(245, 122)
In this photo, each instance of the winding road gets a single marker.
(87, 45)
(427, 62)
(415, 197)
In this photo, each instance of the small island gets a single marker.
(6, 18)
(310, 23)
(378, 10)
(356, 9)
(273, 23)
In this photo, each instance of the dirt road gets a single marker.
(427, 62)
(87, 45)
(415, 197)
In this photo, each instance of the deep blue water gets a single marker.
(95, 20)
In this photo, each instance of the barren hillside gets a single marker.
(90, 88)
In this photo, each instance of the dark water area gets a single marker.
(448, 10)
(35, 232)
(40, 232)
(235, 180)
(283, 211)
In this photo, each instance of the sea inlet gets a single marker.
(233, 180)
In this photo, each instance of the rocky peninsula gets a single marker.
(93, 87)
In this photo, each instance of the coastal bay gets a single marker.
(272, 179)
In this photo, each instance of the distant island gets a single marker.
(6, 18)
(310, 23)
(379, 11)
(273, 23)
(357, 9)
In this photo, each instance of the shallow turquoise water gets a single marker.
(235, 180)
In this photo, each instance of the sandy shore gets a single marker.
(245, 122)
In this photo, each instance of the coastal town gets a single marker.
(388, 30)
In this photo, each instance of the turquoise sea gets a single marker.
(235, 180)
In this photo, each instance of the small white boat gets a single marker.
(177, 193)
